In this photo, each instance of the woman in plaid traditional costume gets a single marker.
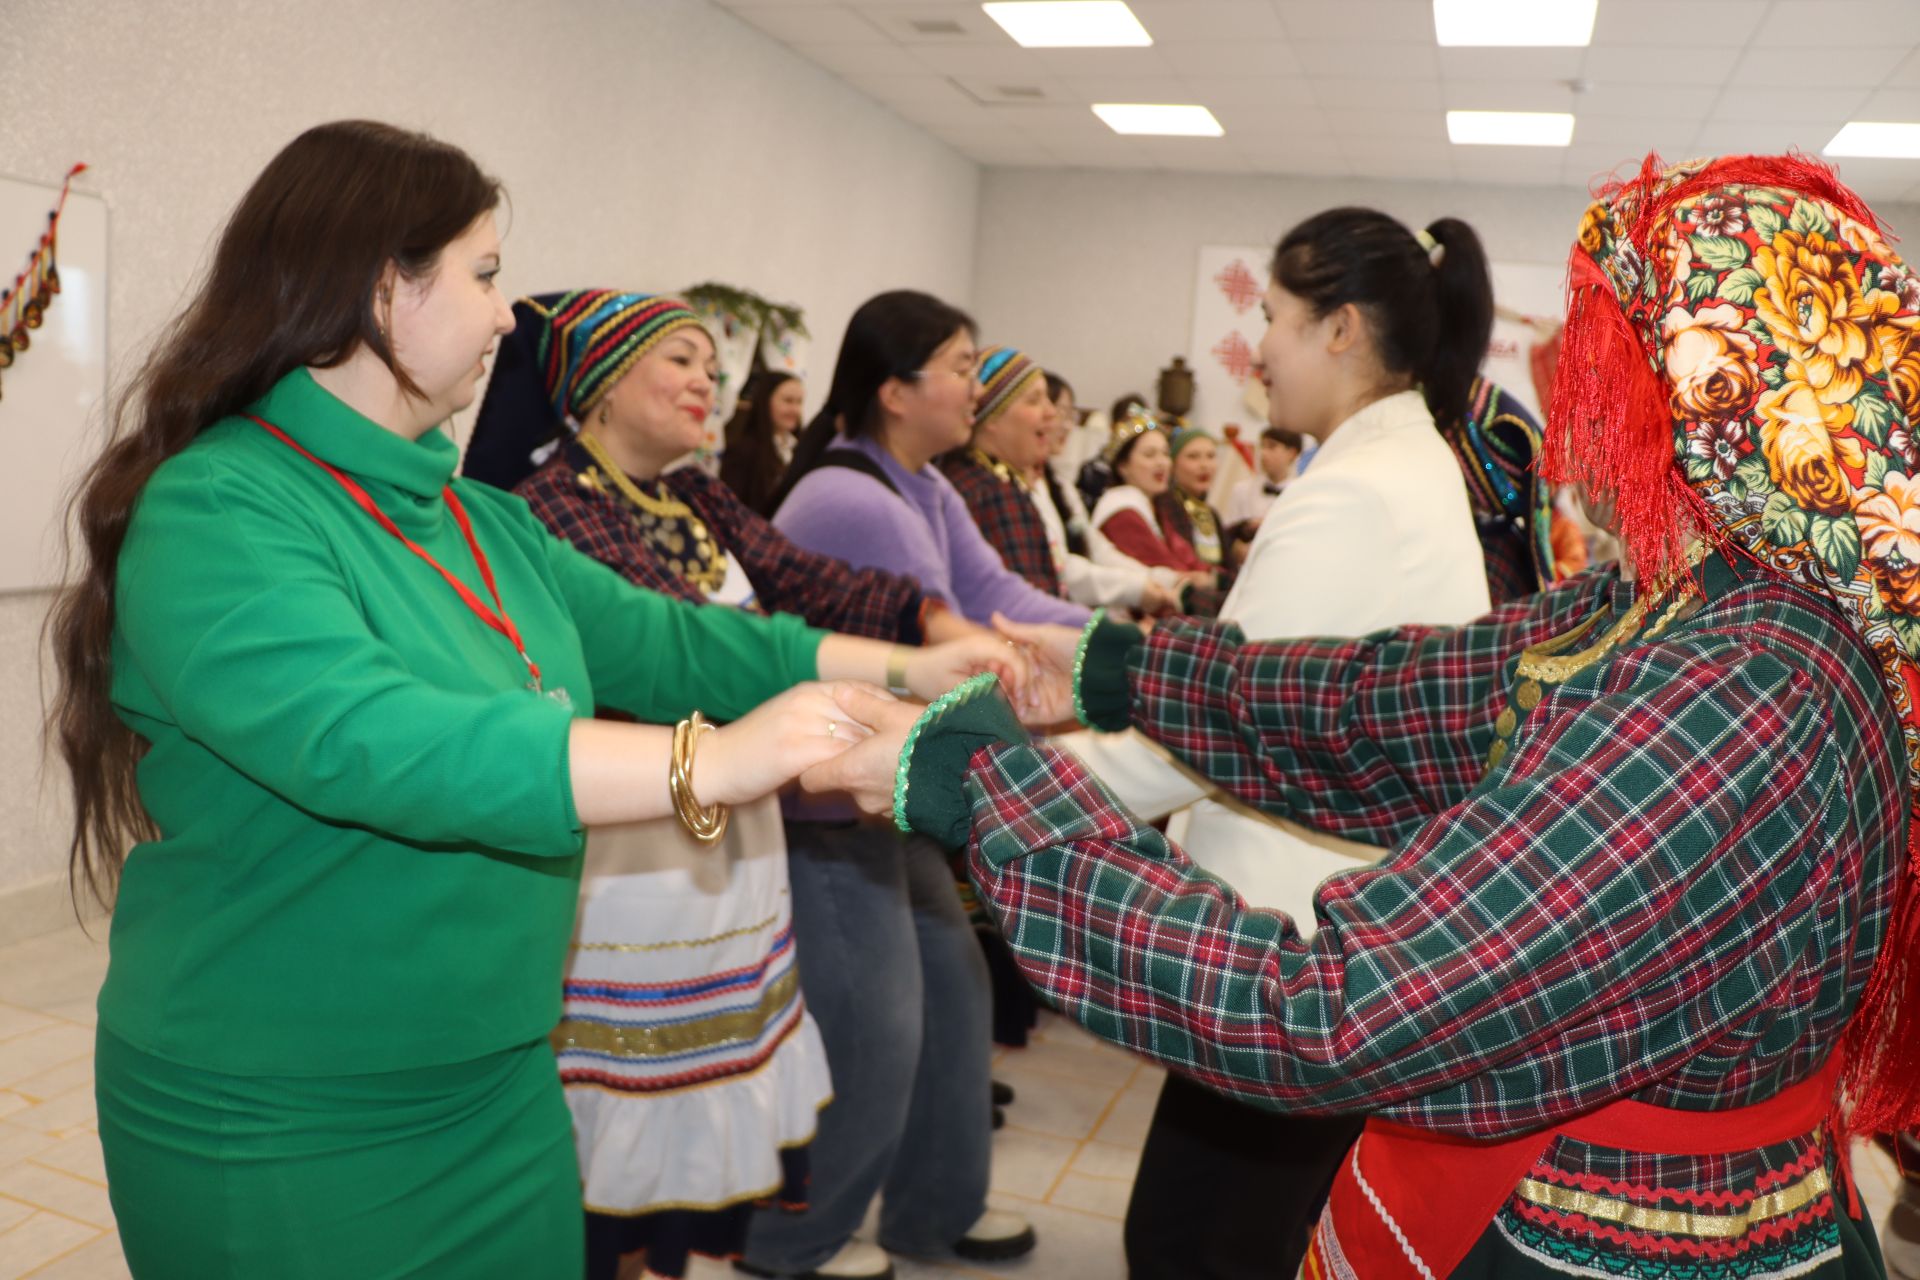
(1647, 906)
(707, 1102)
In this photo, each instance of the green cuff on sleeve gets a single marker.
(929, 789)
(1101, 697)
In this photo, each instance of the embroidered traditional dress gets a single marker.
(1669, 886)
(692, 1067)
(1002, 507)
(1651, 910)
(1127, 531)
(1498, 448)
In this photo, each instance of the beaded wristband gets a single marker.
(985, 682)
(1079, 665)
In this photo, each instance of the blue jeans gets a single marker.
(893, 975)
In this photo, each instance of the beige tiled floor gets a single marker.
(1066, 1158)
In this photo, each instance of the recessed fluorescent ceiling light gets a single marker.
(1069, 24)
(1144, 117)
(1510, 128)
(1876, 138)
(1514, 22)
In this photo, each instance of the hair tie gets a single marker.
(1436, 252)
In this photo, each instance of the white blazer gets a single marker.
(1377, 533)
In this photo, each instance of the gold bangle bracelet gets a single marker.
(704, 823)
(897, 672)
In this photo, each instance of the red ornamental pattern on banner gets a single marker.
(1239, 286)
(1234, 355)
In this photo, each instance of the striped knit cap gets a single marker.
(584, 340)
(1004, 373)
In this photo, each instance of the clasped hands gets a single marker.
(847, 735)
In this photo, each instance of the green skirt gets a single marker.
(466, 1170)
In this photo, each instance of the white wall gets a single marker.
(1091, 272)
(645, 144)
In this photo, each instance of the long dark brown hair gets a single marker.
(751, 465)
(292, 283)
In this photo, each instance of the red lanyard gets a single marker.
(495, 617)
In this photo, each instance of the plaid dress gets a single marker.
(1000, 505)
(786, 578)
(1663, 873)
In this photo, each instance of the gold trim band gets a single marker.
(739, 1027)
(1673, 1222)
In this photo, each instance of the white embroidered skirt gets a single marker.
(688, 1055)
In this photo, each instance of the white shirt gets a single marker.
(1249, 500)
(1093, 585)
(1378, 534)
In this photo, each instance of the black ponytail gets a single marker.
(891, 335)
(1431, 321)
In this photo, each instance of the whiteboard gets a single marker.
(50, 400)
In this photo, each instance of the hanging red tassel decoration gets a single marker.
(23, 307)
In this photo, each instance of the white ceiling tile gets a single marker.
(1891, 104)
(812, 24)
(1327, 166)
(1760, 136)
(979, 60)
(1657, 65)
(1759, 102)
(1061, 125)
(1511, 64)
(928, 86)
(1329, 22)
(1718, 24)
(1508, 95)
(1634, 136)
(1906, 74)
(862, 59)
(1015, 91)
(1191, 155)
(1420, 126)
(1118, 88)
(1360, 60)
(1374, 94)
(1584, 166)
(907, 23)
(1178, 21)
(1686, 101)
(1525, 166)
(1233, 58)
(1262, 125)
(1101, 62)
(1394, 156)
(1253, 91)
(1839, 24)
(1877, 179)
(1863, 66)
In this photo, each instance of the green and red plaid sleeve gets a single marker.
(1673, 886)
(1366, 737)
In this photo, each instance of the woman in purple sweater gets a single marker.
(865, 490)
(887, 956)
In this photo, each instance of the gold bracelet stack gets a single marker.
(704, 823)
(897, 672)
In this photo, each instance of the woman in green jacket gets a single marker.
(338, 702)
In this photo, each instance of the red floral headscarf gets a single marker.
(1741, 362)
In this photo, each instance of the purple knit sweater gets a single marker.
(929, 535)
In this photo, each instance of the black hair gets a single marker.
(1055, 384)
(1125, 405)
(891, 335)
(750, 465)
(1280, 435)
(1432, 321)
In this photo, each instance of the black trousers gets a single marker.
(1227, 1191)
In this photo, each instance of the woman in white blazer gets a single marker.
(1374, 332)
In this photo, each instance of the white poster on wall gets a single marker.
(1227, 324)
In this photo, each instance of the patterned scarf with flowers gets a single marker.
(1742, 364)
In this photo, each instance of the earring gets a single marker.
(600, 415)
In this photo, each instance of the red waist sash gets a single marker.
(1409, 1204)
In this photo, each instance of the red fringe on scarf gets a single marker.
(1611, 430)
